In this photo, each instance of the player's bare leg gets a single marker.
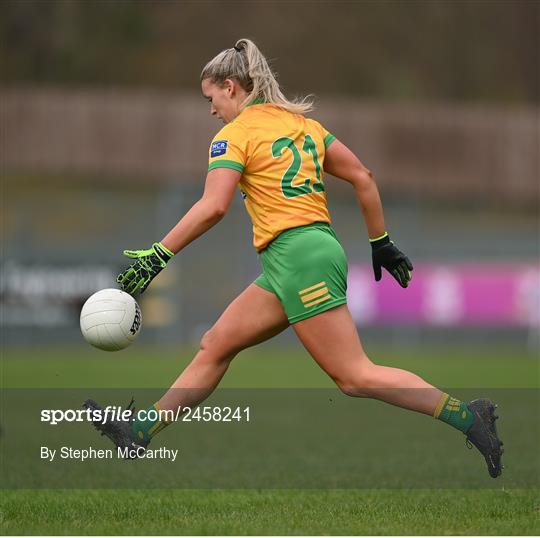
(253, 317)
(332, 340)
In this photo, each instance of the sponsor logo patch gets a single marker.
(219, 147)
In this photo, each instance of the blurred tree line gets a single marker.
(476, 50)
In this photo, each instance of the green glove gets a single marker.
(135, 278)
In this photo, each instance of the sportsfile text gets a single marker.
(116, 413)
(111, 412)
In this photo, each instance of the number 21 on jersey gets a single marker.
(309, 186)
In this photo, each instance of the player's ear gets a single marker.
(228, 86)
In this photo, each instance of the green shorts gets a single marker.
(306, 268)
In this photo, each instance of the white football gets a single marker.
(111, 319)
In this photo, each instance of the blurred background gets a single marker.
(105, 137)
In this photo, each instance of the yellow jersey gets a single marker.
(281, 157)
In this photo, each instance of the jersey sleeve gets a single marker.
(228, 149)
(326, 136)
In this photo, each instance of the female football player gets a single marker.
(278, 157)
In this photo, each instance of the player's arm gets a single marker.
(342, 163)
(207, 212)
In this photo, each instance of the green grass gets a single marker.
(496, 511)
(332, 512)
(260, 367)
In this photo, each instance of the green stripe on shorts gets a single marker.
(306, 268)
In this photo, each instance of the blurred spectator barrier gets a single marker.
(487, 155)
(494, 295)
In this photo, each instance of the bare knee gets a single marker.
(216, 347)
(353, 390)
(350, 390)
(363, 383)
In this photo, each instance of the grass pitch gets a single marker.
(268, 511)
(271, 512)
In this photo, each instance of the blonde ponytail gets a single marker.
(246, 64)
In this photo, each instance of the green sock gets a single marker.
(454, 412)
(150, 425)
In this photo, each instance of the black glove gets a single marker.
(385, 254)
(138, 275)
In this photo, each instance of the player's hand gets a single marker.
(385, 254)
(135, 278)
